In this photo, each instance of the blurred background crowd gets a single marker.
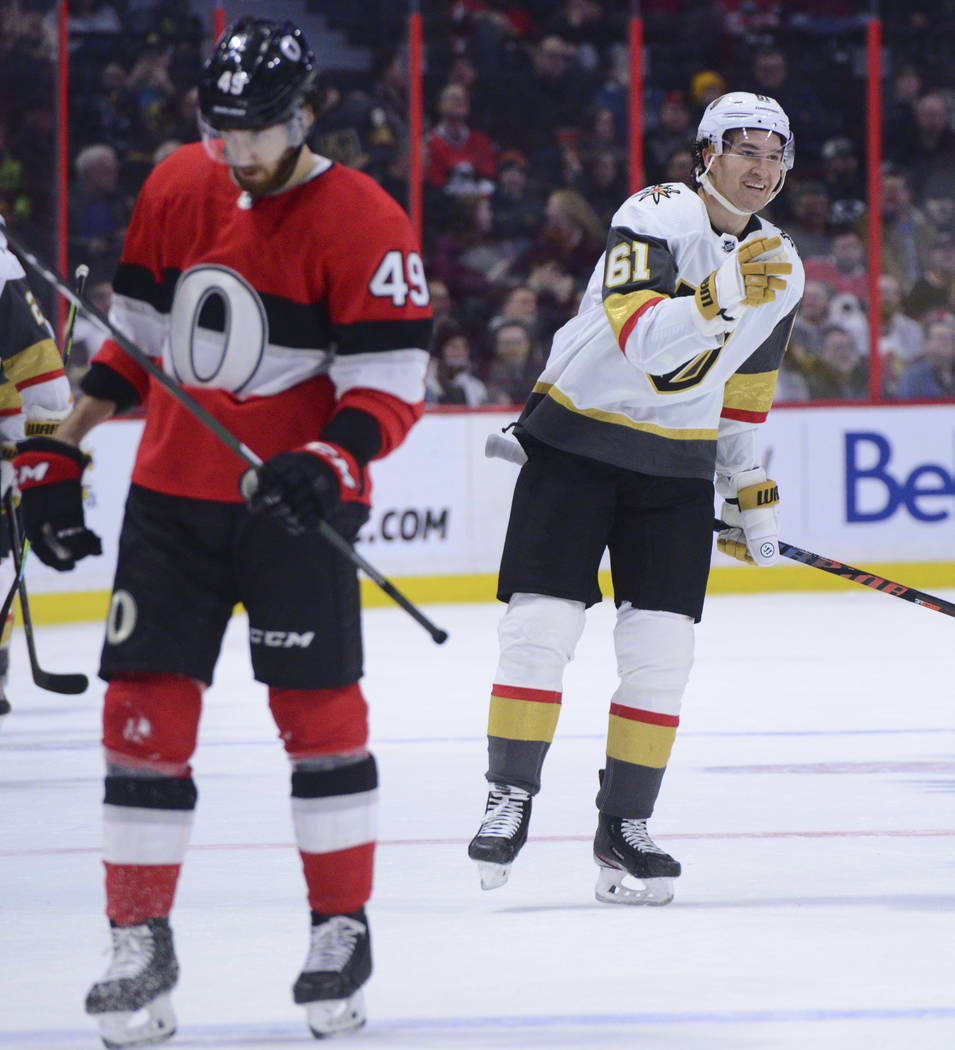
(525, 155)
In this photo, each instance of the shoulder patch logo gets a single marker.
(659, 192)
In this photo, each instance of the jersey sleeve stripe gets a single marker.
(748, 397)
(46, 377)
(36, 363)
(623, 312)
(362, 337)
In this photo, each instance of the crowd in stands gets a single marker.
(525, 159)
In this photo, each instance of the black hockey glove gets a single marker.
(51, 497)
(318, 482)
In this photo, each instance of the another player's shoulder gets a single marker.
(184, 168)
(666, 210)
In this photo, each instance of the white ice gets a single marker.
(810, 799)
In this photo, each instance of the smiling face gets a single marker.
(749, 169)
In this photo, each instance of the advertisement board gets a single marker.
(866, 485)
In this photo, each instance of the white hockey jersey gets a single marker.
(631, 381)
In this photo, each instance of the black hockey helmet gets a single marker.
(259, 75)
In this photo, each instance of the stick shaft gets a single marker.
(205, 417)
(859, 576)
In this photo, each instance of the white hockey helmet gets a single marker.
(759, 116)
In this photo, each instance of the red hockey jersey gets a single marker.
(274, 316)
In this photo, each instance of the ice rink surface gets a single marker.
(810, 799)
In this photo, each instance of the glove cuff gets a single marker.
(351, 477)
(46, 461)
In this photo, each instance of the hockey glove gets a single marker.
(318, 482)
(751, 276)
(49, 474)
(751, 510)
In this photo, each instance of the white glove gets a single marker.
(750, 508)
(750, 276)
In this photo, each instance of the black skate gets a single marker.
(338, 964)
(502, 834)
(4, 706)
(623, 847)
(140, 976)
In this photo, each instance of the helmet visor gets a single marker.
(242, 148)
(759, 143)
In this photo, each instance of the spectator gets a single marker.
(459, 159)
(673, 132)
(522, 304)
(603, 184)
(705, 86)
(931, 289)
(905, 230)
(354, 130)
(450, 379)
(587, 26)
(899, 108)
(844, 269)
(843, 181)
(841, 371)
(934, 375)
(900, 338)
(679, 168)
(811, 320)
(556, 91)
(516, 204)
(441, 309)
(515, 365)
(809, 227)
(15, 203)
(571, 241)
(926, 147)
(98, 216)
(938, 205)
(810, 120)
(466, 256)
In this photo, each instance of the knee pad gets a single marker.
(315, 722)
(151, 720)
(538, 635)
(654, 656)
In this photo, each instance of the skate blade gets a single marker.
(154, 1023)
(611, 889)
(327, 1017)
(492, 875)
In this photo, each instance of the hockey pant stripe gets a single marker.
(334, 812)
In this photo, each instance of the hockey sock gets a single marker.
(334, 813)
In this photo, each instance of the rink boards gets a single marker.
(870, 486)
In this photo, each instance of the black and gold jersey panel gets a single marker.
(639, 270)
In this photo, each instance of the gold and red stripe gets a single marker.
(520, 713)
(643, 738)
(749, 397)
(624, 310)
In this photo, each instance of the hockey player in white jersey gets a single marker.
(656, 388)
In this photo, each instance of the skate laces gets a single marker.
(505, 811)
(634, 833)
(332, 944)
(132, 951)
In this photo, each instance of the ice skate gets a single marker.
(624, 847)
(338, 964)
(131, 1003)
(502, 833)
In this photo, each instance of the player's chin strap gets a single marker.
(708, 187)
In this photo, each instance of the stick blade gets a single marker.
(68, 684)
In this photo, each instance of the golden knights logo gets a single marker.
(658, 192)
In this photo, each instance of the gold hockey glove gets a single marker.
(750, 276)
(751, 509)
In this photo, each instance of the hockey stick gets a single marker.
(82, 272)
(860, 576)
(225, 435)
(54, 683)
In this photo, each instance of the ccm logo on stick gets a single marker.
(867, 471)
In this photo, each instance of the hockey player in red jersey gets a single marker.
(287, 295)
(656, 386)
